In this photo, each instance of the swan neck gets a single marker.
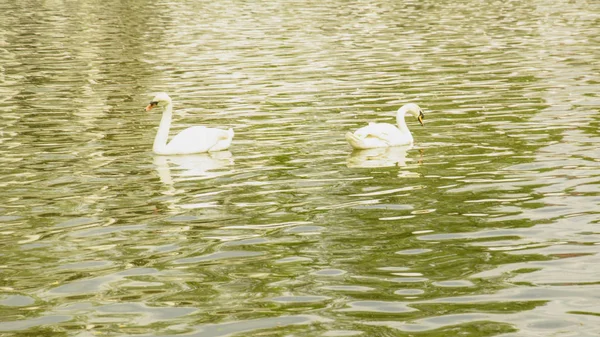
(401, 121)
(160, 141)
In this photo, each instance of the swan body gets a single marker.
(376, 135)
(195, 139)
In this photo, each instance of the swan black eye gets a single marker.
(154, 103)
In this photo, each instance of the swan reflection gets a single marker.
(192, 166)
(379, 157)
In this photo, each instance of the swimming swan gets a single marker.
(195, 139)
(383, 134)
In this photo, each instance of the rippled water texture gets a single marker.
(488, 226)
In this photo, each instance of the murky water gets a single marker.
(487, 226)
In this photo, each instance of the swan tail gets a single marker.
(355, 141)
(223, 141)
(225, 134)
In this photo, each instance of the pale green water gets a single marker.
(488, 226)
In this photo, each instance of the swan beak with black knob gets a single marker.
(421, 116)
(151, 105)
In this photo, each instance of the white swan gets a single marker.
(383, 134)
(195, 139)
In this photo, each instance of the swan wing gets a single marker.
(383, 131)
(200, 139)
(360, 143)
(376, 135)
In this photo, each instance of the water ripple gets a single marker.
(486, 223)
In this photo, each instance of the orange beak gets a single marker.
(151, 105)
(420, 118)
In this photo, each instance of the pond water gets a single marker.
(487, 226)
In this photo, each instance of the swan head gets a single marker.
(413, 109)
(160, 98)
